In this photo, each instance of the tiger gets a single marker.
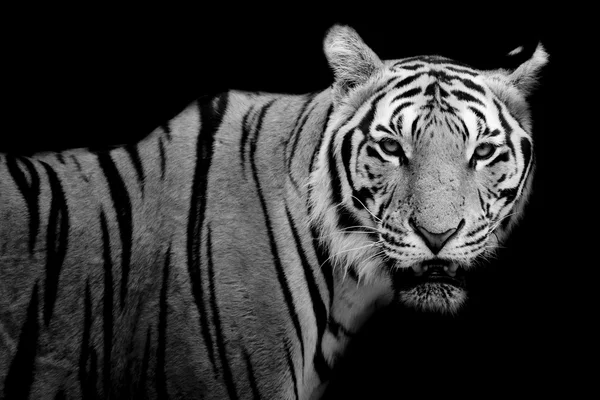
(236, 250)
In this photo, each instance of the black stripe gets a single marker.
(371, 152)
(493, 133)
(30, 192)
(511, 194)
(462, 70)
(364, 126)
(476, 231)
(482, 202)
(141, 392)
(210, 120)
(413, 128)
(347, 156)
(297, 129)
(464, 96)
(345, 217)
(281, 277)
(507, 128)
(122, 205)
(473, 242)
(432, 89)
(134, 155)
(324, 265)
(413, 67)
(87, 385)
(227, 376)
(244, 138)
(452, 125)
(290, 364)
(315, 154)
(261, 116)
(464, 131)
(502, 157)
(397, 111)
(382, 88)
(382, 128)
(408, 60)
(19, 378)
(334, 178)
(61, 158)
(167, 129)
(79, 169)
(409, 93)
(319, 309)
(251, 377)
(56, 241)
(163, 158)
(161, 350)
(408, 80)
(472, 85)
(527, 155)
(385, 207)
(107, 306)
(478, 113)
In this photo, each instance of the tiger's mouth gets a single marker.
(431, 271)
(439, 272)
(434, 285)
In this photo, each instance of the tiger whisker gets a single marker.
(369, 211)
(361, 226)
(335, 233)
(347, 250)
(496, 224)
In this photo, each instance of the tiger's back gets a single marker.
(126, 274)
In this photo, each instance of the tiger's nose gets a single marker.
(435, 241)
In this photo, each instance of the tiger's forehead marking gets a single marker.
(431, 94)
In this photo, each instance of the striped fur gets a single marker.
(234, 251)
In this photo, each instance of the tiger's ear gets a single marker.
(525, 76)
(352, 61)
(514, 86)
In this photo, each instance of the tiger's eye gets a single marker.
(390, 146)
(484, 151)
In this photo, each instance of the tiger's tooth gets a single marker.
(418, 269)
(451, 269)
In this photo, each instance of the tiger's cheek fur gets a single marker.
(378, 181)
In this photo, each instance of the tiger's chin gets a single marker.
(435, 297)
(435, 288)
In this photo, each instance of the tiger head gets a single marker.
(424, 168)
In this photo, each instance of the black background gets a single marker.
(97, 76)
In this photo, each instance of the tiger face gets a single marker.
(426, 165)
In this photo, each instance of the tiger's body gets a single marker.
(234, 251)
